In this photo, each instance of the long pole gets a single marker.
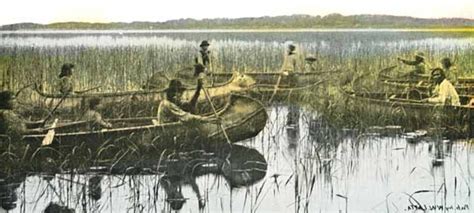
(217, 116)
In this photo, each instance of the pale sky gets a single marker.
(48, 11)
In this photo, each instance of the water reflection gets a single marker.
(310, 168)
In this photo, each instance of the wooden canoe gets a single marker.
(242, 118)
(396, 109)
(393, 85)
(135, 103)
(263, 79)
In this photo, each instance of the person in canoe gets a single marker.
(94, 118)
(204, 55)
(444, 92)
(449, 70)
(66, 82)
(66, 85)
(310, 66)
(173, 108)
(290, 65)
(12, 124)
(419, 64)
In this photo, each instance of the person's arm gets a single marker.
(442, 95)
(98, 119)
(408, 62)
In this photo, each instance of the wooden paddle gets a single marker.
(55, 108)
(276, 87)
(48, 139)
(217, 116)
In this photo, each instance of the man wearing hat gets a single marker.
(444, 92)
(309, 63)
(203, 56)
(173, 109)
(290, 65)
(419, 64)
(12, 124)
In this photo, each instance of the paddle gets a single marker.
(217, 116)
(55, 108)
(87, 90)
(406, 100)
(276, 87)
(48, 139)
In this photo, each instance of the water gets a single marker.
(307, 166)
(311, 168)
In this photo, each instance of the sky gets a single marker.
(49, 11)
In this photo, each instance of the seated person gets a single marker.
(444, 92)
(94, 118)
(309, 64)
(173, 108)
(66, 85)
(12, 124)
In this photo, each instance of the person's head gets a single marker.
(419, 56)
(7, 100)
(446, 63)
(310, 59)
(198, 68)
(204, 45)
(94, 103)
(66, 70)
(291, 47)
(437, 75)
(175, 90)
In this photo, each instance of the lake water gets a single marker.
(311, 168)
(308, 166)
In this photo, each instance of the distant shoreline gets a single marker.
(127, 31)
(264, 24)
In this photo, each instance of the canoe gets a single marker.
(242, 117)
(264, 93)
(394, 85)
(390, 74)
(271, 78)
(412, 114)
(134, 103)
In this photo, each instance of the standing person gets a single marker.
(12, 124)
(444, 92)
(449, 70)
(66, 84)
(94, 118)
(203, 57)
(310, 66)
(290, 65)
(419, 64)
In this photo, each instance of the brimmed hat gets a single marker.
(175, 85)
(310, 58)
(204, 43)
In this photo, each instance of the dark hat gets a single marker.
(175, 85)
(204, 43)
(310, 58)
